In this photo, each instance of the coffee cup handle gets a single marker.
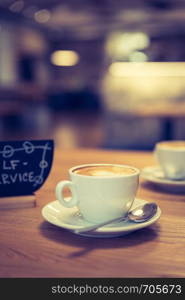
(59, 193)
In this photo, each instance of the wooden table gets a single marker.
(31, 247)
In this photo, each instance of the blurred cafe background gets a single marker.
(93, 73)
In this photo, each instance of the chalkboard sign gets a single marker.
(24, 166)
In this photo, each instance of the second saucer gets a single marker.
(155, 175)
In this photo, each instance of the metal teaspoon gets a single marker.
(139, 214)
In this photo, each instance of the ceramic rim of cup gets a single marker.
(160, 146)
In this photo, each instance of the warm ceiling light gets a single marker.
(120, 44)
(140, 69)
(42, 16)
(17, 6)
(64, 58)
(138, 56)
(140, 40)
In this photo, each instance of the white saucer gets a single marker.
(70, 218)
(155, 175)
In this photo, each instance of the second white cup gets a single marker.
(171, 157)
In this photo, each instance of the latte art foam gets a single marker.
(105, 171)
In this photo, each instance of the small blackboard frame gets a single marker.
(24, 166)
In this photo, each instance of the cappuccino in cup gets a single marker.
(100, 191)
(105, 171)
(171, 157)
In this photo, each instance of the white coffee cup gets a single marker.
(171, 157)
(100, 198)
